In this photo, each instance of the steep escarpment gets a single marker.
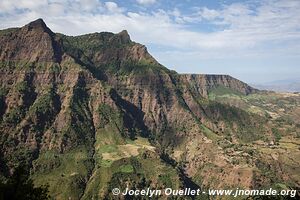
(203, 83)
(89, 113)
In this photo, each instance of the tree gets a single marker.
(20, 187)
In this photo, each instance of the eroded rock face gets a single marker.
(34, 43)
(62, 94)
(202, 83)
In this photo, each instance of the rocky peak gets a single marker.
(121, 38)
(34, 42)
(73, 121)
(39, 26)
(124, 36)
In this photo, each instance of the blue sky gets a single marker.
(256, 41)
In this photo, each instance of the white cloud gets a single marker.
(89, 5)
(113, 7)
(208, 14)
(146, 2)
(238, 29)
(10, 5)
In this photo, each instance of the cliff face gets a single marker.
(87, 113)
(203, 83)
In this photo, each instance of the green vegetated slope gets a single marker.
(281, 153)
(89, 113)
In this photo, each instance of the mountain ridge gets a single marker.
(90, 113)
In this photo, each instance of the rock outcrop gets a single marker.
(203, 83)
(69, 106)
